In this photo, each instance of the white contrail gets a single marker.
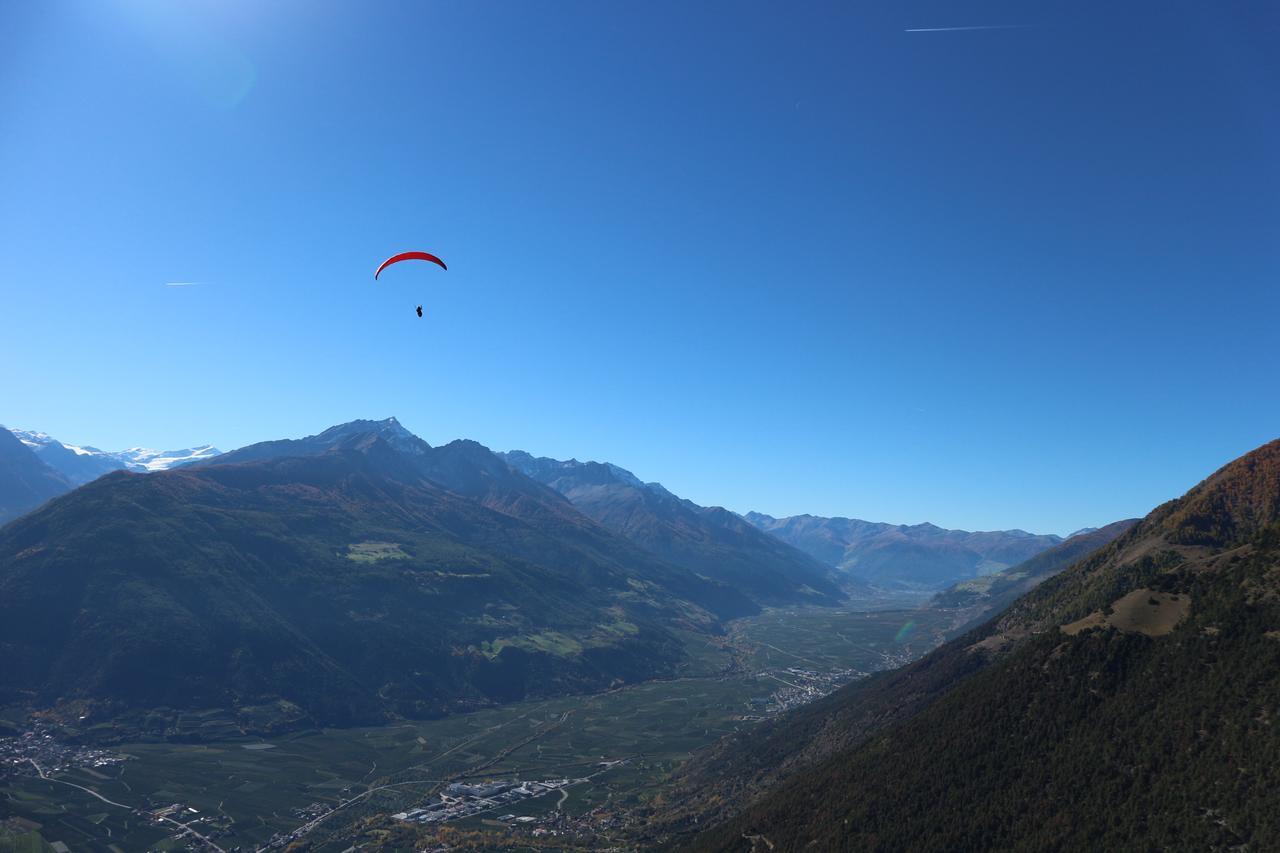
(960, 29)
(180, 283)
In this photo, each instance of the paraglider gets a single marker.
(410, 256)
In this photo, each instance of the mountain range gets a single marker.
(793, 563)
(1114, 690)
(35, 467)
(351, 576)
(917, 557)
(357, 575)
(1127, 702)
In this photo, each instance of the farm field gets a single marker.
(622, 745)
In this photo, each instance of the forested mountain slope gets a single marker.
(337, 587)
(1129, 701)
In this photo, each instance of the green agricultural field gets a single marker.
(551, 642)
(824, 639)
(256, 785)
(18, 840)
(372, 552)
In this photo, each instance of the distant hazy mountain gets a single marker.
(708, 540)
(78, 464)
(913, 557)
(1128, 702)
(81, 464)
(25, 481)
(342, 578)
(982, 597)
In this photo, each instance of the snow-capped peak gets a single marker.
(82, 463)
(31, 438)
(146, 459)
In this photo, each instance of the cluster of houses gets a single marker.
(463, 799)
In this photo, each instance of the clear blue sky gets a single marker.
(784, 257)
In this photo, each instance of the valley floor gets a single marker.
(592, 757)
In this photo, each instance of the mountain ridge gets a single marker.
(708, 540)
(921, 557)
(80, 464)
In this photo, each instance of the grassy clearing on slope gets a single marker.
(1142, 611)
(372, 552)
(551, 642)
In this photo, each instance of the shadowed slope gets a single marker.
(25, 481)
(708, 540)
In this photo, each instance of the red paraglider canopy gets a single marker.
(409, 256)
